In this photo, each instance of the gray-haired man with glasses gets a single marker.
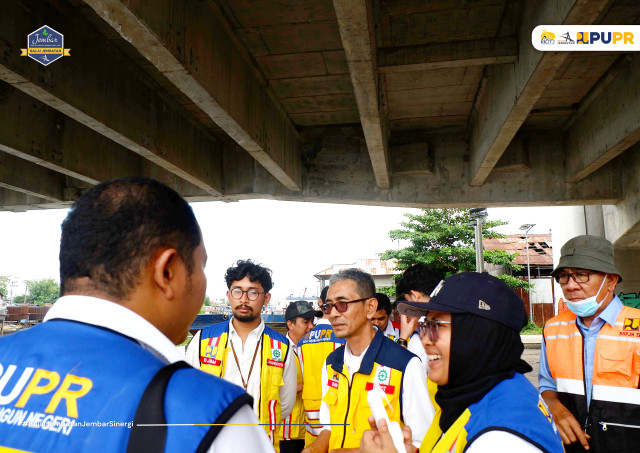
(590, 357)
(245, 351)
(368, 361)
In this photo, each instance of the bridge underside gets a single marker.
(385, 102)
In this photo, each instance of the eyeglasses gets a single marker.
(341, 306)
(430, 327)
(252, 294)
(578, 277)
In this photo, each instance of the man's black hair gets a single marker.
(255, 272)
(384, 303)
(418, 277)
(364, 282)
(323, 293)
(114, 229)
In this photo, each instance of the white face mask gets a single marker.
(589, 306)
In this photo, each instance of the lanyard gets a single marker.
(245, 384)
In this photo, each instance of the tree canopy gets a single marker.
(4, 285)
(40, 292)
(443, 239)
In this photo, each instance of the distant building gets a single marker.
(540, 264)
(382, 271)
(540, 253)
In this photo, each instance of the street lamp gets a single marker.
(478, 215)
(526, 227)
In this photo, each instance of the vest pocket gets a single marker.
(615, 362)
(331, 397)
(616, 426)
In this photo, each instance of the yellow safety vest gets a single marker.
(314, 348)
(214, 350)
(347, 400)
(294, 425)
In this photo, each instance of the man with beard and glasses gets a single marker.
(244, 351)
(472, 338)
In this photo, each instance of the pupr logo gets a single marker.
(631, 324)
(602, 37)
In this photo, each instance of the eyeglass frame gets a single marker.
(572, 275)
(242, 292)
(424, 328)
(341, 303)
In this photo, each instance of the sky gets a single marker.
(294, 239)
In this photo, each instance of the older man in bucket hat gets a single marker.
(590, 356)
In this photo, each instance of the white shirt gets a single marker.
(110, 315)
(501, 442)
(414, 344)
(417, 410)
(245, 356)
(391, 332)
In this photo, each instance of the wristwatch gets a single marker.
(402, 342)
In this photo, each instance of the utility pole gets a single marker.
(527, 227)
(477, 215)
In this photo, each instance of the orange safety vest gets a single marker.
(613, 417)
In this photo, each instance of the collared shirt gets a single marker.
(417, 410)
(115, 317)
(589, 335)
(391, 332)
(414, 344)
(245, 356)
(294, 346)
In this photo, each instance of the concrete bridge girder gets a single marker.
(421, 104)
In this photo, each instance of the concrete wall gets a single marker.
(628, 263)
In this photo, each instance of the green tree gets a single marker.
(40, 292)
(4, 285)
(388, 290)
(443, 239)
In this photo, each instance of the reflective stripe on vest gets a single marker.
(613, 417)
(616, 362)
(214, 351)
(293, 427)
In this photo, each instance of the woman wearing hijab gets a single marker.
(472, 338)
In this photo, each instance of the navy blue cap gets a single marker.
(479, 294)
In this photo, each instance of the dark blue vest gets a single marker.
(514, 406)
(68, 386)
